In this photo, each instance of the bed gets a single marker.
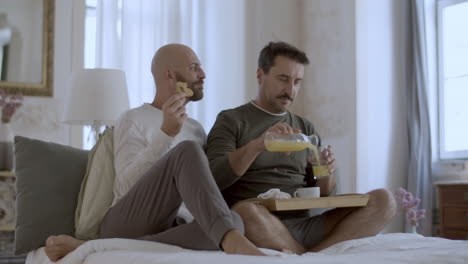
(48, 181)
(384, 248)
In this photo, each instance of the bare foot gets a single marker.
(58, 247)
(235, 243)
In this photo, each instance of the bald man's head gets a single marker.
(177, 63)
(169, 57)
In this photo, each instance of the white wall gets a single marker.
(384, 72)
(354, 89)
(329, 89)
(384, 58)
(387, 82)
(269, 20)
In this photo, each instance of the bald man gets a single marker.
(160, 163)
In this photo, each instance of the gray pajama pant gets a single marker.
(148, 211)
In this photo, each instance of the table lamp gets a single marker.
(97, 97)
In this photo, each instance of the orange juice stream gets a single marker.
(291, 146)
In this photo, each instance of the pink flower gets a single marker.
(421, 213)
(400, 193)
(409, 205)
(9, 104)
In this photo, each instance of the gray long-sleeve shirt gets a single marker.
(236, 127)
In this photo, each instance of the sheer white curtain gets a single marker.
(420, 181)
(130, 31)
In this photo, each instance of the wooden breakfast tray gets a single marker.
(347, 200)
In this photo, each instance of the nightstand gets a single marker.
(7, 202)
(453, 206)
(7, 218)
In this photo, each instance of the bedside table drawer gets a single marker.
(455, 217)
(454, 194)
(451, 233)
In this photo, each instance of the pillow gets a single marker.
(48, 179)
(96, 192)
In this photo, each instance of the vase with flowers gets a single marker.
(410, 205)
(9, 103)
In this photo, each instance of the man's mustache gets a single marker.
(285, 96)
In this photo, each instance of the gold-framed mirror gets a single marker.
(27, 46)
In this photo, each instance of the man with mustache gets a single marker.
(243, 168)
(160, 163)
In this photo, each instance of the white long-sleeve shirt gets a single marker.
(139, 142)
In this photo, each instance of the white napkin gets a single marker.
(274, 194)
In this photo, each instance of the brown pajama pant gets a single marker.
(148, 211)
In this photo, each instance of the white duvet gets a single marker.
(387, 248)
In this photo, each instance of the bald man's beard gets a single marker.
(197, 94)
(196, 87)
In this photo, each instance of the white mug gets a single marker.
(309, 192)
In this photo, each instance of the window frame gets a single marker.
(443, 154)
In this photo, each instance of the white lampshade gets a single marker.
(97, 96)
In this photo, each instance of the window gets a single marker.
(452, 25)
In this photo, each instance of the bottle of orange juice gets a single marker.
(275, 142)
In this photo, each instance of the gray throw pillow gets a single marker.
(48, 180)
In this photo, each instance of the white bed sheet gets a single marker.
(387, 248)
